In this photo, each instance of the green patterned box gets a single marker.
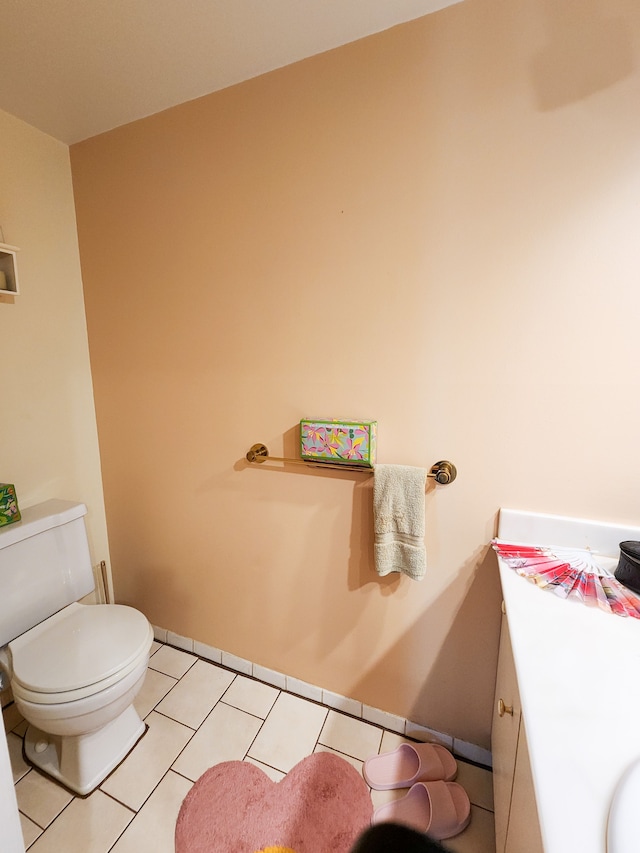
(9, 511)
(343, 442)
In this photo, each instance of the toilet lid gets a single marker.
(79, 646)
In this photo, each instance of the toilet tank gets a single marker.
(44, 565)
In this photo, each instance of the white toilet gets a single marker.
(74, 669)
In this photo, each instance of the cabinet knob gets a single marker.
(504, 709)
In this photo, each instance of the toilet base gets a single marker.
(82, 762)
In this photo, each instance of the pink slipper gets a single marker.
(409, 763)
(441, 809)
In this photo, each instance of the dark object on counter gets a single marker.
(628, 571)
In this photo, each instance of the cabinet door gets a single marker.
(505, 729)
(523, 831)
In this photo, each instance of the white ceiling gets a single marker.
(75, 68)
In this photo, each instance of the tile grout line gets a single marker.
(135, 814)
(50, 824)
(264, 720)
(43, 828)
(170, 768)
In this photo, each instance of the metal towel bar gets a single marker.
(442, 472)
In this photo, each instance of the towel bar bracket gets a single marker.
(258, 453)
(442, 472)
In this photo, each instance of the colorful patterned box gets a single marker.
(8, 504)
(345, 442)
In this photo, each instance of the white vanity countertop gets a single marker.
(578, 673)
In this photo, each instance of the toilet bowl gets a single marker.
(75, 674)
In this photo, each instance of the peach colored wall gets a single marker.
(435, 227)
(48, 435)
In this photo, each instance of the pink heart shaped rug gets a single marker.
(321, 805)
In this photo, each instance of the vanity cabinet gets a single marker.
(516, 814)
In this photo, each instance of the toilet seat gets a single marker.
(80, 651)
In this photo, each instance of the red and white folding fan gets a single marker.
(571, 572)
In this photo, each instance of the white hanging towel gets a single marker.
(398, 520)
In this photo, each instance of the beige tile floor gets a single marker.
(199, 714)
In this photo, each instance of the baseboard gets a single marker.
(400, 725)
